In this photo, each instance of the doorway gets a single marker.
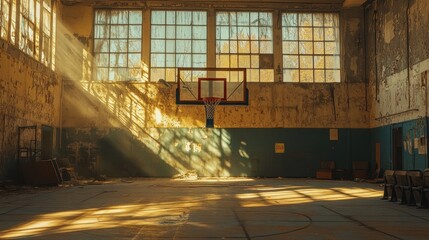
(397, 148)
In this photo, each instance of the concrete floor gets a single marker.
(210, 209)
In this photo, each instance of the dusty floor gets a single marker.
(210, 209)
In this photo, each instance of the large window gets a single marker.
(30, 25)
(178, 39)
(46, 32)
(4, 18)
(311, 47)
(118, 44)
(245, 40)
(36, 29)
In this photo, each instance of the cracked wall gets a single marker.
(30, 95)
(397, 60)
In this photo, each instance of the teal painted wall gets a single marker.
(412, 159)
(219, 152)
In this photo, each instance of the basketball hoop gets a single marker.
(210, 104)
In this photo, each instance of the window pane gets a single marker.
(135, 17)
(290, 61)
(170, 60)
(244, 35)
(290, 75)
(134, 60)
(315, 37)
(158, 17)
(135, 31)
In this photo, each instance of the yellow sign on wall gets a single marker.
(280, 148)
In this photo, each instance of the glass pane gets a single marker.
(184, 32)
(118, 31)
(331, 34)
(134, 60)
(290, 47)
(319, 48)
(254, 47)
(244, 47)
(170, 46)
(319, 76)
(118, 60)
(183, 18)
(134, 73)
(119, 17)
(266, 47)
(233, 61)
(290, 75)
(158, 17)
(199, 60)
(290, 61)
(199, 33)
(266, 75)
(101, 46)
(198, 46)
(171, 32)
(135, 31)
(170, 60)
(318, 34)
(222, 47)
(243, 19)
(222, 18)
(135, 17)
(102, 60)
(265, 33)
(306, 76)
(331, 48)
(306, 34)
(243, 33)
(157, 60)
(332, 75)
(290, 33)
(331, 19)
(254, 61)
(183, 46)
(171, 17)
(332, 62)
(170, 74)
(253, 75)
(244, 61)
(183, 60)
(134, 46)
(101, 31)
(290, 19)
(319, 62)
(306, 62)
(158, 32)
(305, 19)
(199, 18)
(118, 46)
(102, 74)
(265, 19)
(254, 19)
(223, 33)
(156, 74)
(157, 46)
(222, 60)
(306, 47)
(101, 17)
(318, 19)
(233, 47)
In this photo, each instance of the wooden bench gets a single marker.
(401, 182)
(389, 185)
(414, 179)
(417, 189)
(326, 170)
(360, 169)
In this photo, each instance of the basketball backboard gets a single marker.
(196, 84)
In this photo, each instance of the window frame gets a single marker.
(337, 41)
(109, 38)
(175, 39)
(250, 54)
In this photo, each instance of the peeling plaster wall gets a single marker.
(397, 63)
(146, 110)
(30, 95)
(397, 59)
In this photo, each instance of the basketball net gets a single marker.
(210, 104)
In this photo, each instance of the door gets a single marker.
(397, 148)
(47, 142)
